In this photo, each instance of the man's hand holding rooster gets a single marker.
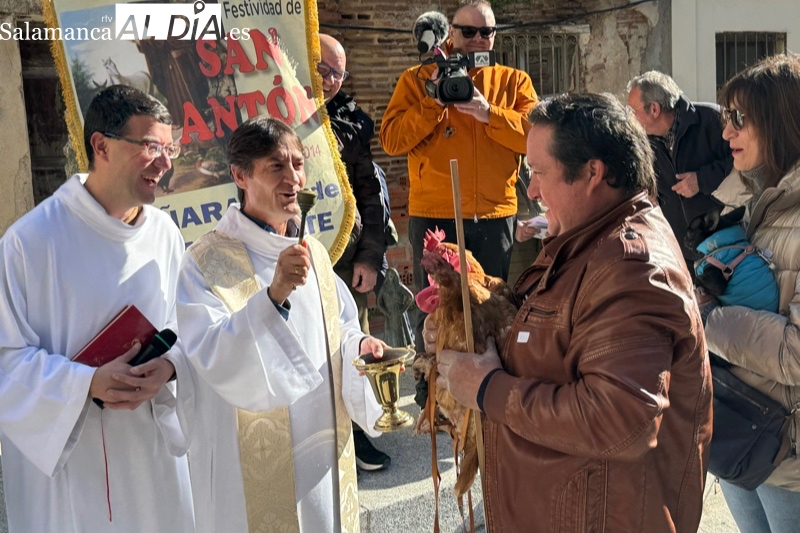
(462, 373)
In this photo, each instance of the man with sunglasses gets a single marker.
(485, 135)
(362, 265)
(691, 159)
(66, 269)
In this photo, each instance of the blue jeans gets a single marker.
(763, 510)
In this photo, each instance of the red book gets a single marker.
(117, 337)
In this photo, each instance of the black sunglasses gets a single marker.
(734, 116)
(469, 31)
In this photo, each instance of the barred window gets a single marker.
(551, 59)
(738, 50)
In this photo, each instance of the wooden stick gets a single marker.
(462, 259)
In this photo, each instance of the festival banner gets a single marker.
(213, 65)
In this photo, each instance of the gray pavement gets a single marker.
(400, 499)
(716, 516)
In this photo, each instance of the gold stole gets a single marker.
(265, 438)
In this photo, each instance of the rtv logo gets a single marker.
(186, 22)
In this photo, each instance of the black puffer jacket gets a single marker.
(699, 147)
(354, 129)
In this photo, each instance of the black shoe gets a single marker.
(368, 457)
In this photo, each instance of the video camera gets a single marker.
(454, 85)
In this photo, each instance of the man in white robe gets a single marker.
(269, 351)
(66, 269)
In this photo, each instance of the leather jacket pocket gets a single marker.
(581, 505)
(539, 321)
(543, 313)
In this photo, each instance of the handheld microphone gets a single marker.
(157, 347)
(430, 30)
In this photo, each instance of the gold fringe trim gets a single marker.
(314, 56)
(73, 116)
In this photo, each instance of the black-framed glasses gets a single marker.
(153, 149)
(470, 31)
(326, 70)
(734, 116)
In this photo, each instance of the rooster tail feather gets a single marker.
(469, 469)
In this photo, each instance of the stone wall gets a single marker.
(32, 115)
(15, 172)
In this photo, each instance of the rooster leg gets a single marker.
(422, 425)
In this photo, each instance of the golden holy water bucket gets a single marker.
(384, 376)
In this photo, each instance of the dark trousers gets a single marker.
(489, 240)
(346, 273)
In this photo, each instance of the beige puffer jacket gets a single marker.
(767, 345)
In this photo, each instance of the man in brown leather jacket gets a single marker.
(598, 409)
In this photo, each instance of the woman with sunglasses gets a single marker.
(762, 108)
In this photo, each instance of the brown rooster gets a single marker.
(492, 315)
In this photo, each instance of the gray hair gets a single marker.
(482, 6)
(657, 88)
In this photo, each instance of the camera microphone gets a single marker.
(430, 30)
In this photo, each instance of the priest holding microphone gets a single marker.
(275, 392)
(66, 269)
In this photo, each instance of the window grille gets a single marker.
(738, 50)
(551, 59)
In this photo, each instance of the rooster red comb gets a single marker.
(431, 243)
(433, 239)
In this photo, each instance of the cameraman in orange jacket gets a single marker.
(485, 135)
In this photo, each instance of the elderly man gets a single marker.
(67, 268)
(364, 258)
(598, 410)
(691, 157)
(271, 333)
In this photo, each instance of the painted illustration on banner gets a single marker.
(213, 65)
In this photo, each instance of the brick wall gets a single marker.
(376, 59)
